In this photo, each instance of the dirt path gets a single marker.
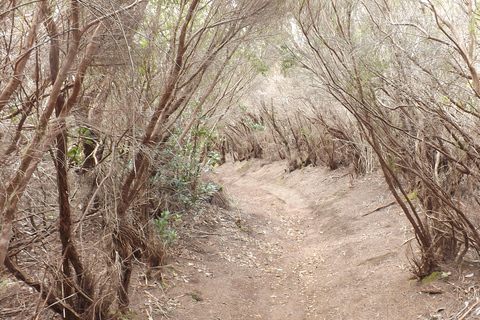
(297, 246)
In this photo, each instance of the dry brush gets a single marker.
(407, 73)
(98, 103)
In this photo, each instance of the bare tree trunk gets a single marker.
(65, 223)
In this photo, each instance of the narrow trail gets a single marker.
(297, 246)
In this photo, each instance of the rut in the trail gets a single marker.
(296, 246)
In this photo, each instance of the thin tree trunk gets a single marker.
(65, 223)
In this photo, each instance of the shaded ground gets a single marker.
(304, 245)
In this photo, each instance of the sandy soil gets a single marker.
(303, 245)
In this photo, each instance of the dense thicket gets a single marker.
(407, 72)
(110, 109)
(103, 108)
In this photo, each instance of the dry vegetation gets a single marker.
(109, 110)
(104, 108)
(419, 114)
(311, 134)
(407, 75)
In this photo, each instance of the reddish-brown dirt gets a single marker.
(303, 245)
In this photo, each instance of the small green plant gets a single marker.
(288, 59)
(213, 157)
(162, 227)
(208, 189)
(261, 66)
(255, 126)
(75, 154)
(430, 278)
